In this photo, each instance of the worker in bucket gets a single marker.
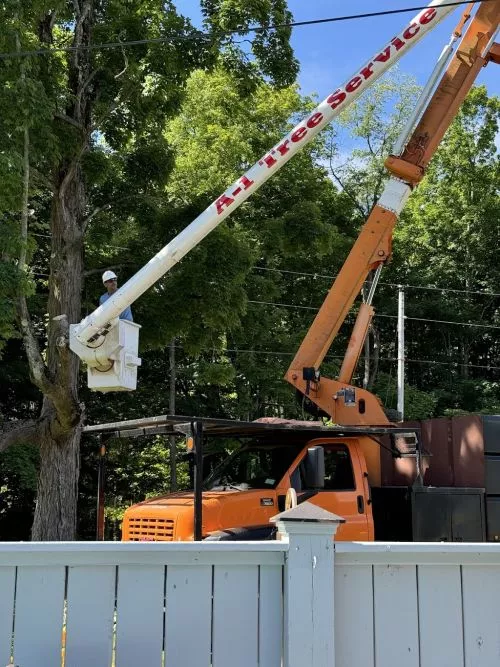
(110, 280)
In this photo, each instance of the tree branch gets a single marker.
(36, 363)
(125, 60)
(96, 211)
(38, 370)
(46, 26)
(71, 172)
(67, 119)
(86, 83)
(147, 198)
(349, 194)
(370, 147)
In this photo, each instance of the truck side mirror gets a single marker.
(314, 465)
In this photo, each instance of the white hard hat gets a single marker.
(108, 275)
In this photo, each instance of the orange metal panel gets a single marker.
(358, 336)
(454, 86)
(494, 54)
(372, 247)
(405, 170)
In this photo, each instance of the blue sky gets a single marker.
(331, 52)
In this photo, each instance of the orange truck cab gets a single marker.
(324, 465)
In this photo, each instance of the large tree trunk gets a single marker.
(57, 494)
(61, 417)
(55, 512)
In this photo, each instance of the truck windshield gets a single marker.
(253, 467)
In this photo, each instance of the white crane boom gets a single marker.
(108, 346)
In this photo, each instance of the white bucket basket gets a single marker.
(111, 360)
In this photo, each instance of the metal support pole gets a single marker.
(401, 352)
(197, 431)
(171, 409)
(101, 488)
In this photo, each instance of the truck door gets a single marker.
(344, 492)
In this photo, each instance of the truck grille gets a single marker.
(157, 530)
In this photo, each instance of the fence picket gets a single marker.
(139, 615)
(188, 617)
(440, 616)
(270, 615)
(353, 599)
(7, 588)
(91, 602)
(39, 616)
(481, 593)
(396, 618)
(235, 629)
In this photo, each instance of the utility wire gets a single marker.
(275, 353)
(256, 28)
(416, 319)
(420, 287)
(48, 236)
(423, 319)
(393, 317)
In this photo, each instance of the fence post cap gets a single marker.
(307, 513)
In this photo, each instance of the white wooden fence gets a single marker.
(143, 604)
(295, 602)
(417, 605)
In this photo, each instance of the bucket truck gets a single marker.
(339, 468)
(109, 346)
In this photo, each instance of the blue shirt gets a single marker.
(125, 315)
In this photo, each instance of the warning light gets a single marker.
(190, 444)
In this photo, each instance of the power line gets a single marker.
(431, 362)
(443, 289)
(256, 28)
(282, 305)
(392, 317)
(415, 319)
(450, 363)
(48, 236)
(423, 319)
(404, 286)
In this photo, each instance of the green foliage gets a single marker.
(172, 124)
(372, 124)
(221, 373)
(98, 117)
(270, 50)
(18, 475)
(418, 404)
(135, 469)
(218, 134)
(448, 237)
